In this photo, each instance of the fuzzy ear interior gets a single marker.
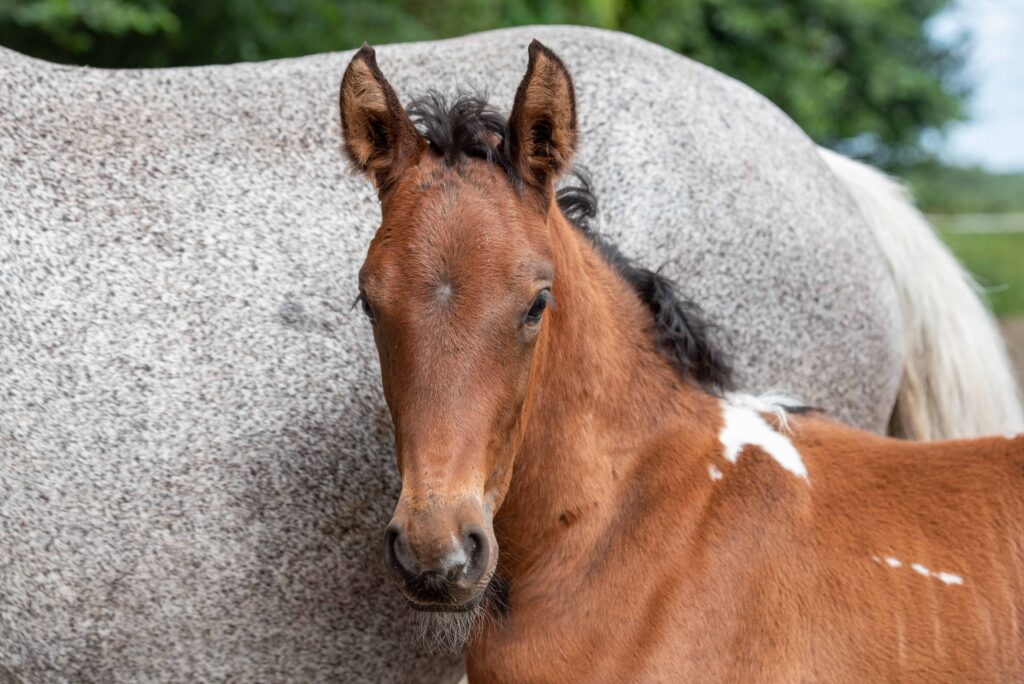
(380, 140)
(542, 126)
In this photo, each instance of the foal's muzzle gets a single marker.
(446, 580)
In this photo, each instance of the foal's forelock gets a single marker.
(465, 126)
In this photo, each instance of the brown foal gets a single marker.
(650, 530)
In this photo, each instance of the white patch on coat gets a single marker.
(714, 472)
(743, 425)
(944, 577)
(948, 577)
(445, 291)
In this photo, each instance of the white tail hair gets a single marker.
(957, 377)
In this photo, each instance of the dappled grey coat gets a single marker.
(196, 464)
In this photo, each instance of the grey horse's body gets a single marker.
(195, 457)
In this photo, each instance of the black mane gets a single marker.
(470, 128)
(683, 332)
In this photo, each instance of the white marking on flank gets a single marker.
(714, 472)
(944, 577)
(743, 425)
(948, 577)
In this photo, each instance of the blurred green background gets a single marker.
(870, 78)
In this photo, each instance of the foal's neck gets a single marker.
(602, 399)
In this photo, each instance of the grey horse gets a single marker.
(195, 459)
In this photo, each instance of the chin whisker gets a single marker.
(451, 631)
(447, 632)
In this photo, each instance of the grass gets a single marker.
(996, 259)
(980, 215)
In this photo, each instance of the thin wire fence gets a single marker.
(978, 223)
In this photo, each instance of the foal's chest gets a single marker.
(685, 627)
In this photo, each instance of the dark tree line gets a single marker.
(859, 75)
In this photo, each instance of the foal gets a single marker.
(553, 399)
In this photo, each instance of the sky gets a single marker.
(993, 136)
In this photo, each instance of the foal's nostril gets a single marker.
(397, 555)
(474, 542)
(390, 535)
(477, 551)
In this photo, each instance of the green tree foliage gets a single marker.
(859, 75)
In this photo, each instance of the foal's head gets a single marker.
(456, 283)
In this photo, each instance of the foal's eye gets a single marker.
(539, 304)
(364, 303)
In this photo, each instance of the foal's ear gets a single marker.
(542, 127)
(379, 137)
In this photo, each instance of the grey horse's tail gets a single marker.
(957, 377)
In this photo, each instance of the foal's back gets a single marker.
(889, 561)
